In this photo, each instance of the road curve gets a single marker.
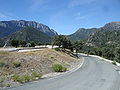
(94, 74)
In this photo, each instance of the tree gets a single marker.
(22, 43)
(77, 45)
(62, 41)
(66, 43)
(15, 43)
(32, 44)
(117, 54)
(108, 53)
(58, 40)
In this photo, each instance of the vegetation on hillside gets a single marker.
(111, 51)
(59, 68)
(105, 38)
(82, 34)
(26, 35)
(62, 41)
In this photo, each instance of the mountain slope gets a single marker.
(8, 27)
(82, 34)
(28, 34)
(109, 35)
(111, 26)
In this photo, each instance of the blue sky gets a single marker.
(64, 16)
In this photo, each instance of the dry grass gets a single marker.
(35, 61)
(3, 52)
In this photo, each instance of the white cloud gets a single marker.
(74, 3)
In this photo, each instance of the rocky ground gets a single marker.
(25, 63)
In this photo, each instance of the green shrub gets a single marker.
(1, 83)
(35, 75)
(2, 64)
(2, 79)
(57, 49)
(32, 44)
(58, 68)
(26, 78)
(15, 78)
(64, 69)
(4, 52)
(52, 57)
(16, 64)
(21, 79)
(8, 85)
(18, 78)
(114, 62)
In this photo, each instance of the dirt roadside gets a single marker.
(35, 61)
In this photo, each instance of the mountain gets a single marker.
(8, 27)
(108, 35)
(27, 34)
(112, 26)
(82, 34)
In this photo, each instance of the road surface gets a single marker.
(94, 74)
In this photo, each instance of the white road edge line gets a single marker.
(78, 66)
(69, 72)
(107, 60)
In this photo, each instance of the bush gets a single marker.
(15, 43)
(114, 62)
(32, 44)
(4, 52)
(15, 78)
(26, 78)
(58, 68)
(21, 79)
(2, 79)
(35, 75)
(16, 64)
(2, 64)
(8, 85)
(57, 49)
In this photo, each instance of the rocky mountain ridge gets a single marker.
(82, 33)
(8, 27)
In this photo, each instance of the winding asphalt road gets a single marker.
(94, 74)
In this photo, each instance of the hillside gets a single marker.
(28, 34)
(111, 26)
(8, 27)
(109, 35)
(25, 63)
(82, 34)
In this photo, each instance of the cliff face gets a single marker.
(8, 27)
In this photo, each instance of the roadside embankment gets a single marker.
(17, 67)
